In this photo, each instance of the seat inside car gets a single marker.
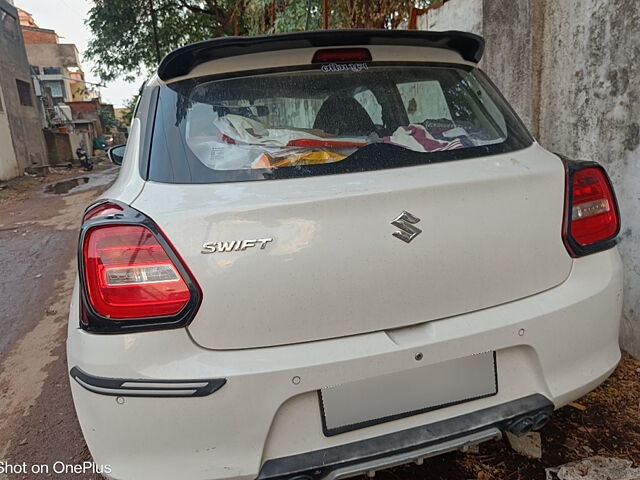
(343, 115)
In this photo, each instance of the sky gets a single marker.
(66, 17)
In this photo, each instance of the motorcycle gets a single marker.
(81, 153)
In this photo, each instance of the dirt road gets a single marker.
(38, 233)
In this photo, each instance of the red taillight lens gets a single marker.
(594, 214)
(592, 220)
(342, 55)
(129, 275)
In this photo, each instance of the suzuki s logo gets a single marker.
(405, 222)
(235, 245)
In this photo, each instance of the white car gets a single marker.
(329, 253)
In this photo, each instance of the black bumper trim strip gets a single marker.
(319, 463)
(125, 387)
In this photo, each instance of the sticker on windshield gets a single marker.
(343, 67)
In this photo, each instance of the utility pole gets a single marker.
(154, 25)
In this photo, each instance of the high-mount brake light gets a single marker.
(342, 55)
(592, 220)
(131, 276)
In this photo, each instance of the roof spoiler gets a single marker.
(182, 60)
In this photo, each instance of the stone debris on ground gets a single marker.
(595, 468)
(529, 445)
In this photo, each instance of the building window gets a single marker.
(55, 88)
(35, 70)
(52, 70)
(24, 92)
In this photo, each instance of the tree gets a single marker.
(375, 13)
(272, 16)
(276, 16)
(107, 119)
(129, 108)
(130, 37)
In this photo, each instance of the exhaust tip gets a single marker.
(540, 420)
(530, 423)
(522, 426)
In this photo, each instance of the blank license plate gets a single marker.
(388, 397)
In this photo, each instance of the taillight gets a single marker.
(131, 276)
(106, 208)
(592, 220)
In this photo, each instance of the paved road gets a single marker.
(38, 235)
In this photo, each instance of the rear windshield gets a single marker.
(328, 119)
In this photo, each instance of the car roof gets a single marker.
(182, 60)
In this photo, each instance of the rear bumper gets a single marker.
(556, 345)
(411, 445)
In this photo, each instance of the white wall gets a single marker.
(8, 163)
(590, 109)
(570, 68)
(465, 15)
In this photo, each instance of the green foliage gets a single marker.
(294, 16)
(107, 118)
(289, 16)
(129, 109)
(130, 37)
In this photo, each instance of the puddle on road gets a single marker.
(65, 186)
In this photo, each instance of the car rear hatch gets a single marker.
(490, 234)
(319, 202)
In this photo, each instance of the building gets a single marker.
(56, 66)
(69, 106)
(22, 144)
(122, 115)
